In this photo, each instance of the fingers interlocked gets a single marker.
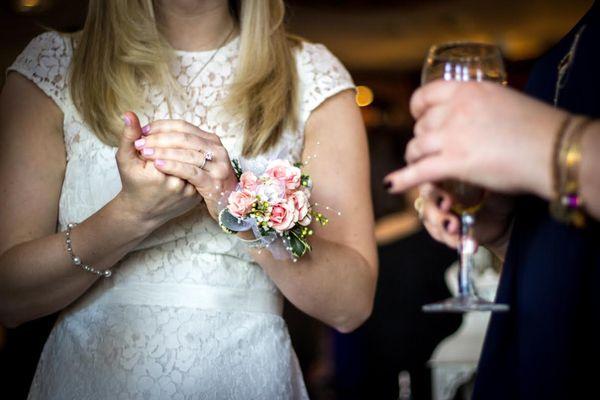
(183, 150)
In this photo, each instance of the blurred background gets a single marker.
(397, 353)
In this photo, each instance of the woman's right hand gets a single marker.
(493, 220)
(149, 194)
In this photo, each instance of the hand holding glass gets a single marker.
(465, 62)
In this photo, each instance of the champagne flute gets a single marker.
(465, 62)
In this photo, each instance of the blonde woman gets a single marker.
(189, 311)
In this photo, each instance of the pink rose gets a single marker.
(240, 203)
(285, 172)
(248, 181)
(283, 216)
(301, 203)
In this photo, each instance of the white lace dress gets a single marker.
(188, 314)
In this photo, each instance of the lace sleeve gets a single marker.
(45, 61)
(321, 75)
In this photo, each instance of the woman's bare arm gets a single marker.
(336, 281)
(36, 275)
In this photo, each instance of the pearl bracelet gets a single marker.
(76, 261)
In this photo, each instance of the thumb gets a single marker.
(132, 131)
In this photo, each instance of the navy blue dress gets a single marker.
(541, 349)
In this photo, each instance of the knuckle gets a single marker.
(158, 153)
(157, 139)
(189, 138)
(221, 172)
(411, 151)
(424, 123)
(430, 141)
(180, 124)
(215, 138)
(156, 127)
(193, 156)
(168, 154)
(429, 122)
(419, 128)
(424, 96)
(174, 184)
(415, 145)
(190, 190)
(222, 153)
(469, 96)
(204, 145)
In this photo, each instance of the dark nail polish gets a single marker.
(439, 201)
(387, 185)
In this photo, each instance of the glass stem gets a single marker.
(466, 252)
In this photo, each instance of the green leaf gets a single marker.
(299, 246)
(236, 168)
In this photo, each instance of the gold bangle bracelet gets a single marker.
(567, 204)
(556, 154)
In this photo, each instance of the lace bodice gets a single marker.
(189, 254)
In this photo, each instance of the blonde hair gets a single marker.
(121, 47)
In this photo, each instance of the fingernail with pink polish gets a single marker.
(139, 143)
(159, 163)
(127, 120)
(146, 129)
(148, 151)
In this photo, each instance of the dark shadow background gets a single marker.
(382, 42)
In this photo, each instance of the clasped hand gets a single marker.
(182, 150)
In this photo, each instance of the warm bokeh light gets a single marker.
(364, 96)
(30, 6)
(29, 3)
(521, 47)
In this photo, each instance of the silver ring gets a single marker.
(208, 156)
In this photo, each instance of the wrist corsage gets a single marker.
(276, 206)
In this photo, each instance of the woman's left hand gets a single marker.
(183, 150)
(480, 133)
